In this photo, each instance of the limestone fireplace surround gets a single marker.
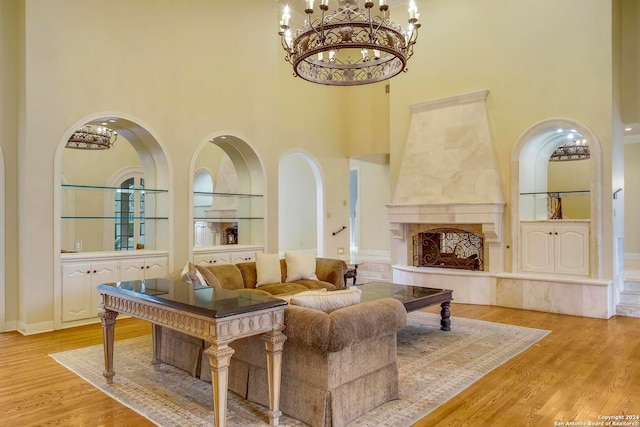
(449, 177)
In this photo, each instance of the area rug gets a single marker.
(433, 365)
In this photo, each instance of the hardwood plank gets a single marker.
(583, 368)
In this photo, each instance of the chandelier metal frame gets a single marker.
(91, 137)
(573, 150)
(321, 51)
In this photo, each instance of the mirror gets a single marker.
(227, 200)
(102, 206)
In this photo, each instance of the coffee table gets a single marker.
(218, 316)
(412, 297)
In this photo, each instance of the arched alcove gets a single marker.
(91, 175)
(95, 211)
(530, 183)
(233, 209)
(300, 204)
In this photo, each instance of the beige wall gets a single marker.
(571, 177)
(298, 205)
(10, 17)
(630, 71)
(165, 66)
(526, 64)
(366, 113)
(373, 195)
(93, 168)
(632, 197)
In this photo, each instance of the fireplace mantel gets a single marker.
(489, 215)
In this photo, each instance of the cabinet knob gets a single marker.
(550, 233)
(88, 271)
(95, 271)
(147, 266)
(556, 233)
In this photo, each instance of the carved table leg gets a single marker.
(219, 358)
(445, 314)
(156, 335)
(274, 341)
(108, 319)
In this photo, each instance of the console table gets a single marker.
(215, 315)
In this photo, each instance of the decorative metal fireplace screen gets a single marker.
(448, 248)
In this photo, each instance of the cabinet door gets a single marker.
(237, 257)
(572, 249)
(76, 291)
(537, 248)
(155, 267)
(202, 259)
(132, 269)
(101, 272)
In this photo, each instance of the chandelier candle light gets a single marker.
(350, 46)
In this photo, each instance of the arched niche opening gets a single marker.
(228, 194)
(549, 190)
(115, 198)
(555, 175)
(300, 195)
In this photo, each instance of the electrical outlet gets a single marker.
(340, 251)
(77, 244)
(328, 215)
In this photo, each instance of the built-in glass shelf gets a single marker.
(555, 205)
(140, 218)
(550, 193)
(118, 189)
(230, 219)
(204, 193)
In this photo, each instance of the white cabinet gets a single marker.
(143, 268)
(83, 272)
(211, 258)
(558, 247)
(80, 297)
(225, 254)
(237, 257)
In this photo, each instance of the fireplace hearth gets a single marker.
(448, 248)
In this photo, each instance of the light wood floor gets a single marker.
(584, 368)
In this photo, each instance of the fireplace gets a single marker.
(448, 248)
(449, 179)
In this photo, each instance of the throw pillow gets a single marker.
(210, 279)
(267, 269)
(190, 274)
(287, 297)
(300, 266)
(327, 301)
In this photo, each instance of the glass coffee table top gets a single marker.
(412, 297)
(404, 293)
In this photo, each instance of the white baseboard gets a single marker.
(35, 328)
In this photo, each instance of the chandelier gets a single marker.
(91, 137)
(573, 150)
(350, 46)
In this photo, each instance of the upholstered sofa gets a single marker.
(336, 366)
